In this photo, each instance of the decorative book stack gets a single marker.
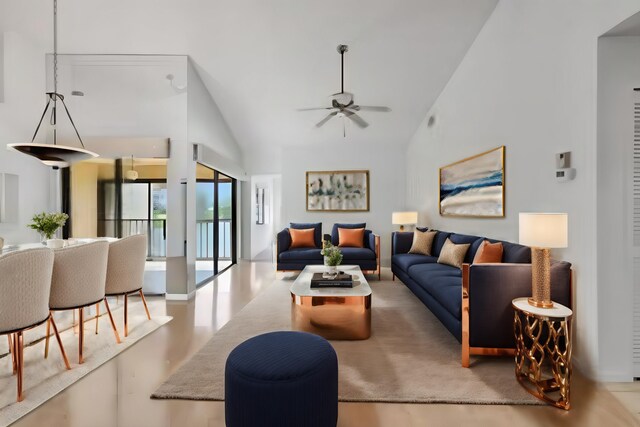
(324, 280)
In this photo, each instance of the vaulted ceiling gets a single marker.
(263, 59)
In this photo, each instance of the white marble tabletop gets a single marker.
(302, 286)
(557, 311)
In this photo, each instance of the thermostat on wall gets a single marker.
(564, 171)
(567, 174)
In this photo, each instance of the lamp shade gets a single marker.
(544, 230)
(404, 218)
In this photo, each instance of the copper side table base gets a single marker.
(541, 342)
(334, 318)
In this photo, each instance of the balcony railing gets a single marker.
(204, 239)
(156, 231)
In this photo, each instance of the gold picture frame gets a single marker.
(457, 181)
(337, 191)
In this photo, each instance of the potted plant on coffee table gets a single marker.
(332, 256)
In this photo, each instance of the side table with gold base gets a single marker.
(543, 351)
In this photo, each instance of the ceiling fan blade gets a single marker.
(370, 108)
(314, 109)
(356, 119)
(326, 119)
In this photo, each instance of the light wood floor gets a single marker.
(117, 394)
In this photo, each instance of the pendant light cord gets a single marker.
(55, 46)
(54, 97)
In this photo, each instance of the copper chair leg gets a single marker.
(144, 301)
(46, 337)
(80, 334)
(13, 354)
(126, 316)
(55, 332)
(19, 349)
(97, 316)
(113, 324)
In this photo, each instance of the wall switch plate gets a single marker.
(563, 160)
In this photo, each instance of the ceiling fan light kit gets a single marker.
(342, 103)
(54, 155)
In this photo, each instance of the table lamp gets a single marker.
(542, 231)
(404, 218)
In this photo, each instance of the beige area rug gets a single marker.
(44, 378)
(410, 357)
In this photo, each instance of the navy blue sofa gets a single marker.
(474, 303)
(367, 257)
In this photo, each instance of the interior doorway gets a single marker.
(119, 198)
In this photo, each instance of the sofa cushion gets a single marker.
(513, 252)
(298, 254)
(474, 242)
(404, 261)
(357, 254)
(488, 253)
(302, 238)
(447, 290)
(452, 254)
(351, 237)
(443, 283)
(335, 238)
(419, 272)
(315, 225)
(422, 242)
(438, 242)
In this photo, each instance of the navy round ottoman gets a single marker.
(282, 379)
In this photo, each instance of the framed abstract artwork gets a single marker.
(338, 191)
(474, 187)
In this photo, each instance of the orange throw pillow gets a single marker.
(302, 238)
(351, 237)
(488, 253)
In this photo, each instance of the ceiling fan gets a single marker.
(342, 103)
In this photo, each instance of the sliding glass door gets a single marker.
(215, 222)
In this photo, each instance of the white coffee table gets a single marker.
(333, 313)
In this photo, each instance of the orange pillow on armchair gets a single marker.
(351, 237)
(302, 238)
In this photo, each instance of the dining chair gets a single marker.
(125, 271)
(78, 281)
(25, 284)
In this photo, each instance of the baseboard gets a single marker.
(180, 297)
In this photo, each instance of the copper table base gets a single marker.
(332, 317)
(543, 356)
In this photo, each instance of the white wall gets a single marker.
(385, 165)
(206, 125)
(618, 73)
(20, 110)
(529, 83)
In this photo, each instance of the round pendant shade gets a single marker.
(59, 156)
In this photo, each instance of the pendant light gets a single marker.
(131, 174)
(54, 155)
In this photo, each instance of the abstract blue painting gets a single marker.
(474, 187)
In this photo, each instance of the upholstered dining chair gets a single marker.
(125, 271)
(78, 281)
(25, 284)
